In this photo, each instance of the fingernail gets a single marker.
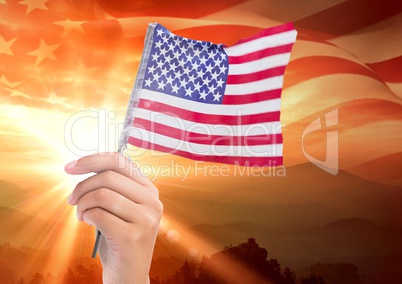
(70, 198)
(71, 165)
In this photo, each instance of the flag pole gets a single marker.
(132, 103)
(96, 245)
(99, 233)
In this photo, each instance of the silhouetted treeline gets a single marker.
(25, 265)
(6, 274)
(313, 280)
(79, 275)
(245, 263)
(341, 273)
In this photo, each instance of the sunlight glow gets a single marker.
(45, 140)
(37, 139)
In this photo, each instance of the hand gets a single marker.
(125, 207)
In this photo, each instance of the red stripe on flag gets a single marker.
(260, 54)
(256, 76)
(251, 98)
(388, 70)
(208, 118)
(267, 32)
(234, 160)
(326, 23)
(208, 139)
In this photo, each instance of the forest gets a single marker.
(244, 263)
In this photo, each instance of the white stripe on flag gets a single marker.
(261, 43)
(209, 129)
(260, 64)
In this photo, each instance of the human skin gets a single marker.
(124, 205)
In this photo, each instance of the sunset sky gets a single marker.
(67, 68)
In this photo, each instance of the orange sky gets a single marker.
(66, 59)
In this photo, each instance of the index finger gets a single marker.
(105, 162)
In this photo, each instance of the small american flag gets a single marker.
(210, 102)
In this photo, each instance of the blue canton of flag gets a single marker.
(190, 69)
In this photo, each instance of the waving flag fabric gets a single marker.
(211, 102)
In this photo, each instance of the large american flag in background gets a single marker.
(210, 102)
(60, 57)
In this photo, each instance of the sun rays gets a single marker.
(39, 143)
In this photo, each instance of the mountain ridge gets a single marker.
(307, 195)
